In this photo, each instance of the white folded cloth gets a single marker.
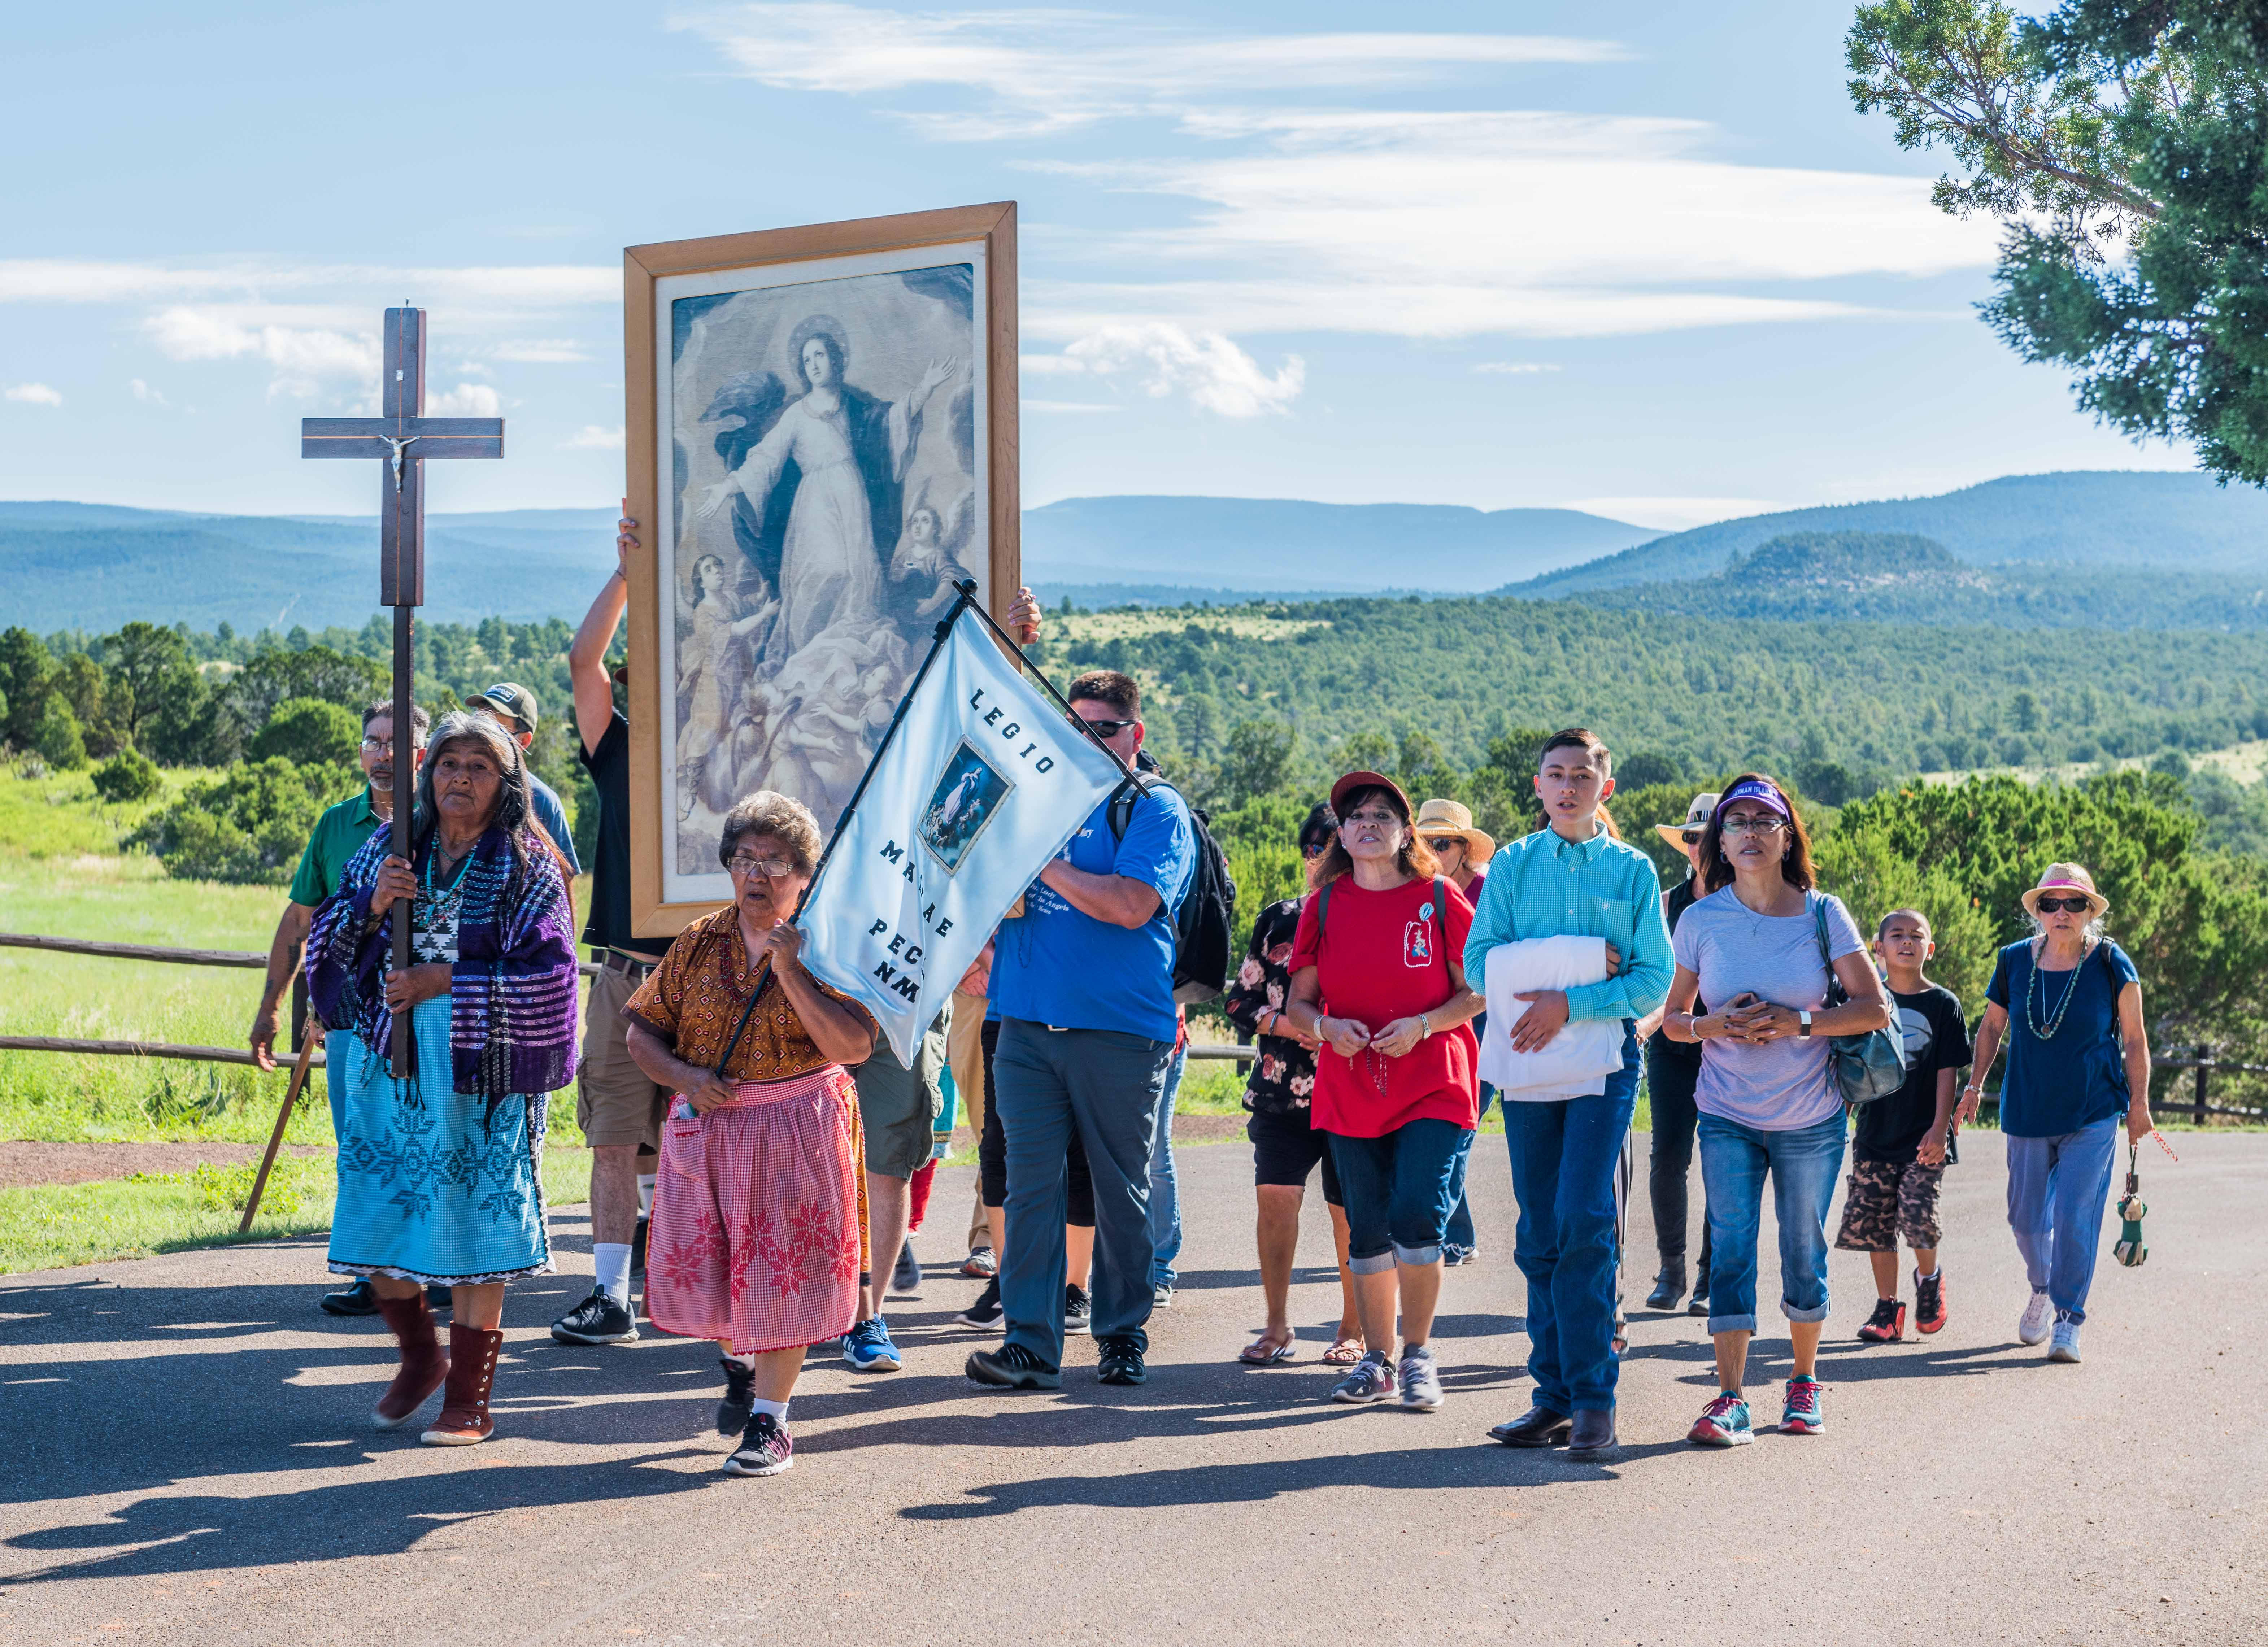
(1576, 1062)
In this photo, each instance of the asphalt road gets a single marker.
(183, 1457)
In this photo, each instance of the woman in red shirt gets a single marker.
(1377, 977)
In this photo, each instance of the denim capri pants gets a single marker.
(1399, 1190)
(1804, 1164)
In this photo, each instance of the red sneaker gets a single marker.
(1929, 1300)
(1887, 1325)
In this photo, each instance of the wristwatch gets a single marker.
(1803, 1020)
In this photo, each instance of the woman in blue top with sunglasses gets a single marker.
(2067, 1001)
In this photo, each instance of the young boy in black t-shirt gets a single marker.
(1904, 1141)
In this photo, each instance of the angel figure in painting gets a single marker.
(725, 635)
(847, 453)
(929, 561)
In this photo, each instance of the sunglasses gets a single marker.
(1105, 729)
(1691, 837)
(2074, 906)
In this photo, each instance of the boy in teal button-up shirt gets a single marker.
(1572, 879)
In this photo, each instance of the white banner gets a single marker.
(985, 779)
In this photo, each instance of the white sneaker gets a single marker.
(2066, 1347)
(2032, 1325)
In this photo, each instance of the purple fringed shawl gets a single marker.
(512, 1004)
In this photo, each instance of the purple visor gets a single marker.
(1764, 794)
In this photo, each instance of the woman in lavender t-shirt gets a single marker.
(1768, 1100)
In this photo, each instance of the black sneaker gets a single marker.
(358, 1298)
(1699, 1304)
(1013, 1367)
(438, 1297)
(1121, 1362)
(740, 1389)
(984, 1315)
(597, 1320)
(766, 1448)
(907, 1276)
(637, 1249)
(1079, 1310)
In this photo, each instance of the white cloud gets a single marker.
(305, 360)
(593, 438)
(1166, 359)
(1446, 224)
(541, 352)
(33, 394)
(467, 399)
(485, 291)
(1675, 514)
(1513, 367)
(147, 395)
(1042, 71)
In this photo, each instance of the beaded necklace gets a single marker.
(2031, 997)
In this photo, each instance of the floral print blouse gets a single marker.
(1284, 1075)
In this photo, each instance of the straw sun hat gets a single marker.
(1437, 819)
(2066, 878)
(1696, 817)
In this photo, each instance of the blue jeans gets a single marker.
(1460, 1213)
(1107, 1086)
(1398, 1192)
(2057, 1190)
(1804, 1164)
(1165, 1200)
(1565, 1153)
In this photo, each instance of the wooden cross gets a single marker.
(403, 438)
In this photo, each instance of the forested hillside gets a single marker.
(1880, 577)
(1693, 694)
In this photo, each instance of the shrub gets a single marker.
(247, 827)
(308, 731)
(128, 776)
(57, 737)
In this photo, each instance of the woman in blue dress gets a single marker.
(439, 1171)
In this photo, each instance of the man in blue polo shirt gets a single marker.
(1083, 981)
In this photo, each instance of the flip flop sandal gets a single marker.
(1347, 1352)
(1261, 1353)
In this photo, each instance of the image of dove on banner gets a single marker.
(983, 780)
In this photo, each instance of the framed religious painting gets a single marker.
(821, 431)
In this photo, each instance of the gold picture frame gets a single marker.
(764, 639)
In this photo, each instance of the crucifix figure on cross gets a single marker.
(403, 439)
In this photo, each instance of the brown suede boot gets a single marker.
(422, 1366)
(464, 1417)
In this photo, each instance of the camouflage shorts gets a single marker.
(1883, 1201)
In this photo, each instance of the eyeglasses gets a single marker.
(1105, 729)
(2074, 905)
(378, 745)
(769, 868)
(1745, 825)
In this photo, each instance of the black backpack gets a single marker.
(1205, 922)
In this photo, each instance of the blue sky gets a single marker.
(1640, 259)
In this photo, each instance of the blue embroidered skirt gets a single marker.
(434, 1185)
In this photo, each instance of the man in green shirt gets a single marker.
(338, 834)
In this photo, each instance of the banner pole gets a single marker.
(967, 587)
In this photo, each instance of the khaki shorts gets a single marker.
(898, 1107)
(616, 1103)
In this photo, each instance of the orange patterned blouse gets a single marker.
(694, 998)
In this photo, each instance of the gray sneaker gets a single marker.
(2066, 1347)
(1372, 1380)
(1421, 1381)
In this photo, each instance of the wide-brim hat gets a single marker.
(2065, 878)
(1356, 781)
(1438, 818)
(1696, 817)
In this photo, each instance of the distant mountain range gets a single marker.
(2185, 552)
(2114, 517)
